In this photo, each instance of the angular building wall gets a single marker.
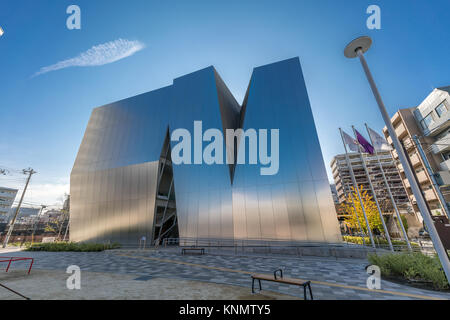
(116, 173)
(114, 178)
(296, 203)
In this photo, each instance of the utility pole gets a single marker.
(357, 48)
(67, 228)
(30, 172)
(65, 214)
(37, 221)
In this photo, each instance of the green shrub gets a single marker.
(72, 246)
(411, 266)
(405, 223)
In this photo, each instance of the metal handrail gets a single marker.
(12, 259)
(272, 243)
(223, 242)
(269, 244)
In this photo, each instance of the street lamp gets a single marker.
(357, 48)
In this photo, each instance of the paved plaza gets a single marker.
(331, 278)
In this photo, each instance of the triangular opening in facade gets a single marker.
(165, 224)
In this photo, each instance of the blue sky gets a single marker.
(44, 117)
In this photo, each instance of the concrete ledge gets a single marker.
(317, 251)
(346, 251)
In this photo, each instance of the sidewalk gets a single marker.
(334, 279)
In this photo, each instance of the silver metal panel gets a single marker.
(327, 212)
(252, 213)
(182, 212)
(266, 211)
(239, 218)
(227, 216)
(311, 212)
(215, 213)
(203, 216)
(282, 226)
(295, 212)
(192, 215)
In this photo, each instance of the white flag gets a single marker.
(1, 31)
(379, 143)
(350, 142)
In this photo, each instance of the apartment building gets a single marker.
(343, 181)
(430, 122)
(7, 196)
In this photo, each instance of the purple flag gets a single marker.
(364, 143)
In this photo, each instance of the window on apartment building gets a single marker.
(441, 109)
(427, 121)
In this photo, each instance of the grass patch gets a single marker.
(72, 246)
(378, 241)
(19, 244)
(412, 267)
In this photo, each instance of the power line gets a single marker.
(12, 180)
(9, 169)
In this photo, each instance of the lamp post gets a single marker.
(357, 48)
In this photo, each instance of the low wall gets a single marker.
(337, 252)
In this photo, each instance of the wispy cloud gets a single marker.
(98, 55)
(50, 193)
(46, 193)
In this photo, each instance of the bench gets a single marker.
(202, 250)
(280, 279)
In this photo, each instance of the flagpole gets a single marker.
(405, 235)
(357, 190)
(388, 237)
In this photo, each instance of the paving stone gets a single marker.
(350, 272)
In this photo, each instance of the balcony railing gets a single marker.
(442, 144)
(389, 140)
(430, 195)
(445, 165)
(415, 160)
(444, 177)
(407, 185)
(422, 177)
(400, 131)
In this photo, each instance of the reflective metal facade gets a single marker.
(114, 179)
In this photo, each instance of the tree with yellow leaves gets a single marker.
(371, 211)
